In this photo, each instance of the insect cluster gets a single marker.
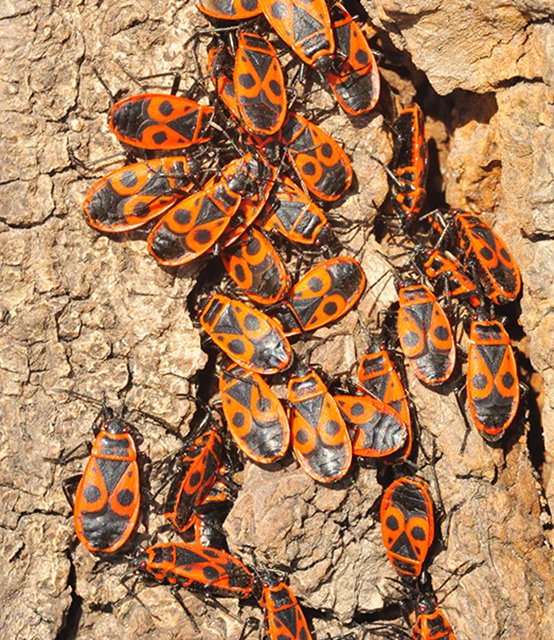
(243, 187)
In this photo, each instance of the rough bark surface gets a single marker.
(84, 312)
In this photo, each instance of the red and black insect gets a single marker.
(449, 274)
(431, 623)
(425, 334)
(492, 388)
(254, 414)
(192, 227)
(205, 525)
(353, 76)
(283, 615)
(305, 28)
(199, 471)
(378, 431)
(320, 161)
(292, 214)
(107, 503)
(132, 195)
(160, 122)
(409, 167)
(320, 439)
(323, 294)
(230, 9)
(249, 337)
(378, 375)
(256, 267)
(486, 252)
(259, 83)
(407, 525)
(250, 208)
(198, 568)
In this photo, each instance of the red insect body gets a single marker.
(160, 122)
(132, 195)
(108, 501)
(408, 525)
(320, 439)
(354, 76)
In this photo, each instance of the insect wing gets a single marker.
(498, 270)
(354, 76)
(492, 379)
(292, 214)
(379, 432)
(159, 122)
(254, 415)
(425, 335)
(320, 161)
(305, 28)
(320, 439)
(259, 85)
(230, 9)
(257, 268)
(408, 525)
(107, 502)
(249, 337)
(132, 195)
(325, 293)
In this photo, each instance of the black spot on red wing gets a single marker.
(410, 339)
(125, 497)
(238, 419)
(357, 409)
(278, 10)
(309, 168)
(236, 347)
(128, 178)
(253, 247)
(418, 533)
(182, 216)
(441, 332)
(362, 57)
(505, 255)
(246, 80)
(249, 5)
(326, 150)
(140, 209)
(330, 308)
(479, 381)
(202, 236)
(508, 380)
(251, 323)
(195, 478)
(332, 427)
(392, 523)
(91, 493)
(159, 137)
(239, 273)
(302, 436)
(210, 573)
(166, 108)
(315, 284)
(486, 253)
(275, 87)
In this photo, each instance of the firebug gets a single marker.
(493, 392)
(408, 525)
(254, 414)
(320, 439)
(425, 334)
(160, 122)
(259, 84)
(249, 337)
